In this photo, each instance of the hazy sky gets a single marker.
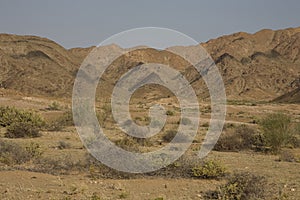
(79, 23)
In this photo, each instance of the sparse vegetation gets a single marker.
(12, 153)
(209, 170)
(241, 186)
(168, 137)
(63, 145)
(10, 115)
(20, 123)
(22, 130)
(240, 138)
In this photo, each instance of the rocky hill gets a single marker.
(290, 97)
(260, 66)
(37, 66)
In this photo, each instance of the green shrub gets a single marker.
(242, 138)
(241, 186)
(34, 150)
(276, 130)
(22, 130)
(10, 115)
(209, 170)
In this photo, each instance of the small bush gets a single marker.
(241, 186)
(128, 144)
(11, 153)
(54, 106)
(10, 115)
(22, 130)
(20, 123)
(242, 138)
(276, 130)
(63, 145)
(34, 150)
(206, 124)
(168, 137)
(170, 113)
(209, 170)
(180, 138)
(62, 164)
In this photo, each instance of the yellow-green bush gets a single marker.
(10, 115)
(276, 130)
(209, 169)
(20, 123)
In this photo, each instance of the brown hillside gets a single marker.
(36, 65)
(290, 97)
(260, 66)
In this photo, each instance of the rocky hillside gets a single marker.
(260, 66)
(263, 65)
(35, 65)
(290, 97)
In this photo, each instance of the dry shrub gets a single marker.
(287, 156)
(241, 186)
(209, 170)
(22, 130)
(63, 164)
(241, 138)
(12, 153)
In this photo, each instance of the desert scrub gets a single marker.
(209, 170)
(20, 123)
(241, 138)
(276, 130)
(10, 115)
(12, 153)
(241, 186)
(22, 130)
